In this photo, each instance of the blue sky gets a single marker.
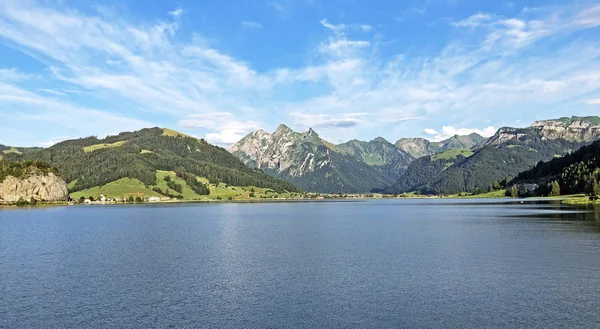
(349, 69)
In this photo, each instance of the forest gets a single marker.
(576, 172)
(90, 162)
(22, 169)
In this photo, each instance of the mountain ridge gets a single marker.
(315, 164)
(89, 162)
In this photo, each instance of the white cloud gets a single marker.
(251, 25)
(449, 131)
(176, 12)
(55, 140)
(593, 101)
(228, 129)
(326, 120)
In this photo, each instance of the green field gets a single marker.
(173, 133)
(128, 186)
(451, 154)
(101, 146)
(117, 189)
(12, 150)
(187, 192)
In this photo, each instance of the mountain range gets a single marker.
(458, 164)
(314, 164)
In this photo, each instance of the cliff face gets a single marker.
(41, 187)
(574, 129)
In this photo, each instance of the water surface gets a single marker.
(375, 264)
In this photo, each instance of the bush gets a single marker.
(21, 202)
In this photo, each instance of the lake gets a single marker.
(375, 264)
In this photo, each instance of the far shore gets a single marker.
(579, 199)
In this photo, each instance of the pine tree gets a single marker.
(555, 189)
(596, 187)
(514, 191)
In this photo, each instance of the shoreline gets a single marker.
(575, 200)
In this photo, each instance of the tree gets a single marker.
(167, 178)
(514, 191)
(555, 189)
(138, 199)
(91, 198)
(32, 201)
(131, 199)
(81, 199)
(596, 187)
(21, 202)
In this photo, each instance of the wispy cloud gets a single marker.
(251, 25)
(592, 101)
(52, 91)
(12, 74)
(230, 130)
(449, 131)
(176, 12)
(151, 70)
(54, 140)
(327, 120)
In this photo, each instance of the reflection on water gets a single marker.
(554, 210)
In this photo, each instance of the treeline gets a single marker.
(180, 154)
(577, 172)
(23, 169)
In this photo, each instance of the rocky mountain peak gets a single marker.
(283, 129)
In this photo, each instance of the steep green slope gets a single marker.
(379, 154)
(422, 170)
(577, 172)
(140, 154)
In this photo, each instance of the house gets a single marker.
(87, 201)
(102, 198)
(528, 187)
(153, 199)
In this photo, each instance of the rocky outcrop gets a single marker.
(40, 187)
(574, 129)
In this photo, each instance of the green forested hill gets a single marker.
(435, 175)
(89, 162)
(576, 172)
